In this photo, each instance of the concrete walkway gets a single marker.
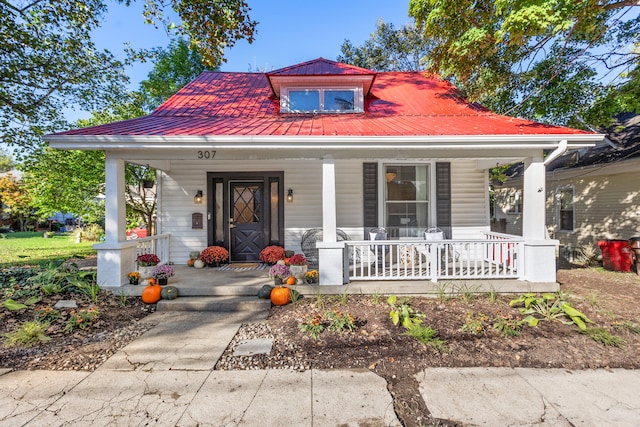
(166, 378)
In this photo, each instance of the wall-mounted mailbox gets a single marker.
(196, 221)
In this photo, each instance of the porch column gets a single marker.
(330, 251)
(539, 251)
(116, 254)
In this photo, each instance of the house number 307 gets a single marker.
(206, 154)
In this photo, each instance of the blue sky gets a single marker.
(288, 31)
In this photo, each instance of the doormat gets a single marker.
(243, 266)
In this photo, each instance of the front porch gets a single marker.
(211, 282)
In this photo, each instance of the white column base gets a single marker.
(540, 260)
(115, 262)
(331, 263)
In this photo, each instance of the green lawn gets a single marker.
(30, 248)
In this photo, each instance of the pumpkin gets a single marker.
(286, 261)
(280, 295)
(169, 292)
(152, 281)
(190, 262)
(198, 263)
(151, 293)
(265, 292)
(291, 280)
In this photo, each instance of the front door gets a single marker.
(247, 219)
(246, 212)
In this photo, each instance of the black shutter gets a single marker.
(370, 196)
(443, 198)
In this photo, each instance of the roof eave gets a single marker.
(253, 142)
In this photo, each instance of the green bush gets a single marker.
(92, 233)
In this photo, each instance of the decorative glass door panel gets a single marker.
(246, 220)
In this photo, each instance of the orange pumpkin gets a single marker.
(286, 261)
(291, 280)
(190, 262)
(152, 281)
(151, 293)
(280, 295)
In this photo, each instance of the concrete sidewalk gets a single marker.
(166, 378)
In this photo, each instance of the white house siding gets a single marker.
(304, 177)
(607, 205)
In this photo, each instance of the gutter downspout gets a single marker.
(562, 148)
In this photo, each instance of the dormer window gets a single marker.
(321, 100)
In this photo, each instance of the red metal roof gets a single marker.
(320, 66)
(399, 104)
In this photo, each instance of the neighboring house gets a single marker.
(592, 193)
(247, 160)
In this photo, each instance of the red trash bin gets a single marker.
(616, 255)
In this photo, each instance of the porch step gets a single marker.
(218, 290)
(215, 303)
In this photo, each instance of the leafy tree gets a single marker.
(6, 162)
(49, 61)
(211, 25)
(529, 56)
(70, 181)
(141, 201)
(173, 68)
(388, 49)
(16, 198)
(65, 181)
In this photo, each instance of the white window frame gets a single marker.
(559, 192)
(358, 99)
(514, 203)
(382, 202)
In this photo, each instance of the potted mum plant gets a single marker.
(162, 273)
(298, 267)
(134, 278)
(279, 272)
(214, 255)
(272, 254)
(146, 263)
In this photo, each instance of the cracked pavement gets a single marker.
(166, 378)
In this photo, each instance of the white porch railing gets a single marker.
(497, 256)
(158, 245)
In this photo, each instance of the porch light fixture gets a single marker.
(198, 198)
(290, 196)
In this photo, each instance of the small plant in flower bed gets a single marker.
(279, 271)
(311, 276)
(314, 326)
(297, 259)
(163, 271)
(47, 314)
(508, 324)
(340, 322)
(427, 336)
(332, 320)
(213, 254)
(27, 334)
(474, 324)
(272, 254)
(81, 319)
(549, 307)
(148, 260)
